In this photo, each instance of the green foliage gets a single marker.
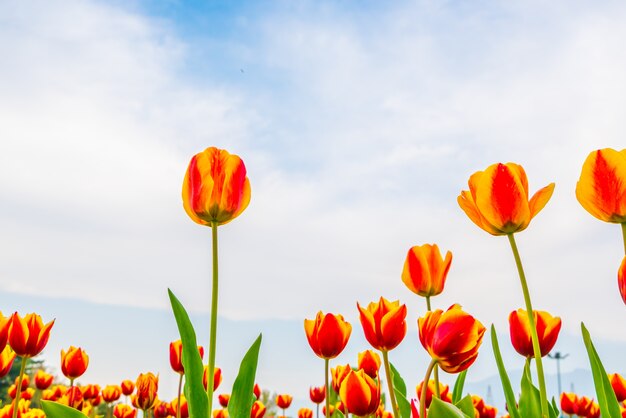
(466, 405)
(457, 392)
(441, 409)
(242, 396)
(399, 388)
(56, 410)
(32, 366)
(504, 378)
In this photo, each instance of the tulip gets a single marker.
(331, 408)
(257, 391)
(339, 373)
(73, 398)
(176, 356)
(111, 393)
(7, 356)
(568, 403)
(220, 413)
(327, 334)
(215, 188)
(43, 380)
(74, 363)
(223, 399)
(181, 407)
(548, 328)
(384, 323)
(305, 413)
(283, 401)
(124, 411)
(425, 270)
(317, 394)
(618, 383)
(621, 279)
(28, 336)
(258, 410)
(91, 392)
(594, 411)
(217, 377)
(431, 389)
(360, 393)
(128, 387)
(497, 200)
(583, 406)
(601, 189)
(147, 387)
(5, 324)
(369, 362)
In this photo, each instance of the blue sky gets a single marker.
(359, 125)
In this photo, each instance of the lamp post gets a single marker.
(558, 357)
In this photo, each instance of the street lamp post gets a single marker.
(558, 357)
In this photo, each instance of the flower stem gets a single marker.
(436, 370)
(212, 342)
(18, 392)
(430, 368)
(327, 414)
(533, 328)
(392, 394)
(180, 386)
(624, 235)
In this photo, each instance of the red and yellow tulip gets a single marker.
(28, 336)
(147, 386)
(176, 356)
(369, 362)
(548, 328)
(327, 334)
(384, 323)
(317, 394)
(74, 362)
(111, 393)
(359, 393)
(425, 270)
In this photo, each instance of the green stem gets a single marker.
(327, 388)
(428, 303)
(624, 235)
(436, 370)
(212, 342)
(180, 387)
(71, 383)
(430, 368)
(18, 392)
(317, 413)
(392, 394)
(533, 328)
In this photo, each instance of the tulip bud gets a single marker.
(360, 394)
(217, 377)
(305, 413)
(548, 328)
(621, 279)
(327, 334)
(369, 362)
(128, 387)
(6, 361)
(425, 271)
(176, 356)
(384, 323)
(111, 393)
(74, 362)
(147, 387)
(258, 410)
(223, 399)
(283, 401)
(124, 411)
(317, 394)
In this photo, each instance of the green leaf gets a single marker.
(57, 410)
(553, 410)
(441, 409)
(466, 405)
(457, 392)
(398, 382)
(242, 398)
(504, 378)
(609, 407)
(403, 404)
(197, 399)
(530, 399)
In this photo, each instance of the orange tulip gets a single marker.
(43, 380)
(331, 408)
(568, 403)
(583, 406)
(305, 413)
(338, 374)
(217, 377)
(5, 323)
(6, 361)
(621, 279)
(425, 271)
(359, 393)
(90, 391)
(444, 391)
(384, 323)
(97, 400)
(327, 334)
(369, 362)
(223, 399)
(28, 336)
(618, 383)
(74, 362)
(258, 410)
(317, 394)
(548, 328)
(451, 338)
(283, 401)
(128, 387)
(497, 200)
(111, 393)
(73, 398)
(601, 189)
(124, 411)
(594, 411)
(215, 188)
(184, 406)
(176, 356)
(147, 387)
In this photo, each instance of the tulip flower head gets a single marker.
(444, 392)
(184, 406)
(621, 279)
(43, 380)
(384, 323)
(601, 189)
(369, 362)
(220, 413)
(257, 391)
(5, 323)
(176, 356)
(6, 361)
(223, 399)
(90, 391)
(111, 393)
(215, 188)
(338, 374)
(327, 334)
(583, 406)
(258, 410)
(283, 401)
(74, 362)
(497, 200)
(128, 387)
(359, 393)
(305, 413)
(548, 328)
(28, 336)
(451, 338)
(147, 386)
(124, 411)
(217, 377)
(317, 394)
(425, 270)
(618, 383)
(73, 398)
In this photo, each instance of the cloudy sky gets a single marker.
(359, 123)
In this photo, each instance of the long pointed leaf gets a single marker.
(466, 405)
(457, 392)
(399, 388)
(529, 400)
(197, 399)
(241, 399)
(57, 410)
(504, 378)
(441, 409)
(609, 407)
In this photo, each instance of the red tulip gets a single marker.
(28, 336)
(317, 394)
(548, 328)
(621, 279)
(111, 393)
(223, 399)
(359, 393)
(618, 383)
(74, 362)
(327, 334)
(258, 410)
(176, 356)
(128, 387)
(305, 413)
(6, 361)
(283, 401)
(425, 271)
(384, 323)
(369, 362)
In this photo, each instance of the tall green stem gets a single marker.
(212, 342)
(180, 387)
(18, 392)
(533, 328)
(432, 365)
(392, 394)
(327, 388)
(436, 370)
(624, 235)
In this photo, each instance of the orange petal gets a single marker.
(540, 199)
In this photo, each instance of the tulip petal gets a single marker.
(540, 199)
(393, 327)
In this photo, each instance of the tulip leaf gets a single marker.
(504, 378)
(457, 392)
(399, 387)
(529, 400)
(441, 409)
(197, 399)
(57, 410)
(609, 407)
(242, 398)
(466, 405)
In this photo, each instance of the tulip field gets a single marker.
(215, 191)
